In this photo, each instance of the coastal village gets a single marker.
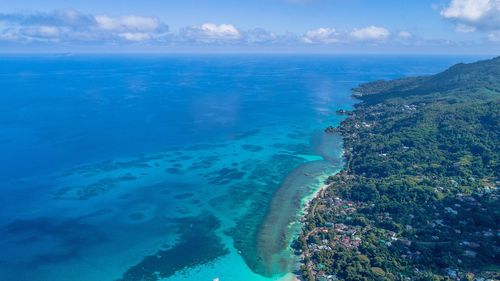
(332, 235)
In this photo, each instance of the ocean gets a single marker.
(187, 167)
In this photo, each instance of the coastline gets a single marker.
(304, 212)
(388, 211)
(307, 203)
(283, 221)
(308, 207)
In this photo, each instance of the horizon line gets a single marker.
(165, 53)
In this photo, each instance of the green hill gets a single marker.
(418, 198)
(466, 79)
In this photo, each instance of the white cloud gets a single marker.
(128, 23)
(31, 34)
(471, 10)
(224, 31)
(464, 28)
(494, 37)
(210, 33)
(405, 35)
(321, 35)
(473, 14)
(331, 35)
(48, 31)
(132, 28)
(74, 26)
(260, 35)
(70, 26)
(370, 33)
(137, 36)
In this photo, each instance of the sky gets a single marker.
(252, 26)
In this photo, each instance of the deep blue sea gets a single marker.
(169, 167)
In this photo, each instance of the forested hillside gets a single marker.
(418, 198)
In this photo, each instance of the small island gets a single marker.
(418, 197)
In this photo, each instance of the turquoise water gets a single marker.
(174, 168)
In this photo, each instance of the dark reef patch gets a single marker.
(184, 158)
(204, 162)
(198, 244)
(252, 147)
(99, 213)
(111, 165)
(126, 196)
(165, 191)
(173, 170)
(225, 176)
(137, 216)
(327, 145)
(298, 135)
(198, 147)
(243, 135)
(66, 238)
(184, 195)
(84, 192)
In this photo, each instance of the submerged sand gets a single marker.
(281, 222)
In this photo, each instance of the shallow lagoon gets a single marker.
(182, 168)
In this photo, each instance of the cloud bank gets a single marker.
(209, 33)
(70, 26)
(474, 15)
(322, 35)
(331, 35)
(74, 26)
(371, 33)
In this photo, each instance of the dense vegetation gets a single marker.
(418, 198)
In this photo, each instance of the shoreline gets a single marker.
(408, 190)
(305, 211)
(283, 222)
(308, 201)
(304, 214)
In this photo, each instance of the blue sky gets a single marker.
(303, 26)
